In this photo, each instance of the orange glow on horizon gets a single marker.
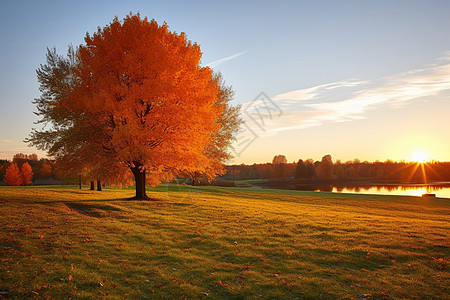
(420, 156)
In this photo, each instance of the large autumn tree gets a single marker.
(133, 96)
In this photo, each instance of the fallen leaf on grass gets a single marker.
(365, 295)
(222, 284)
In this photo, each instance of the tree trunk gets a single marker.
(99, 185)
(92, 186)
(79, 178)
(195, 179)
(139, 179)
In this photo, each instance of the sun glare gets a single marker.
(420, 156)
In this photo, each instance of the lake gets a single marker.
(442, 190)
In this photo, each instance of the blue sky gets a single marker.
(354, 79)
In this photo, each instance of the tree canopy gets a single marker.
(279, 159)
(12, 175)
(136, 97)
(325, 170)
(16, 176)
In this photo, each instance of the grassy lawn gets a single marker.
(210, 242)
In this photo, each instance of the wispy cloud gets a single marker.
(225, 59)
(352, 100)
(313, 92)
(5, 141)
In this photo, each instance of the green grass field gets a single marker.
(210, 242)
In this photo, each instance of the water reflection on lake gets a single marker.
(441, 190)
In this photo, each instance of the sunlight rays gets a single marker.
(412, 173)
(424, 174)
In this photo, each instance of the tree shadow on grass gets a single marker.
(98, 208)
(91, 210)
(88, 198)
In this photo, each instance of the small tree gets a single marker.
(27, 173)
(310, 169)
(325, 169)
(20, 158)
(279, 163)
(279, 159)
(340, 172)
(300, 170)
(12, 175)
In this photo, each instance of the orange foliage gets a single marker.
(153, 103)
(12, 175)
(216, 153)
(27, 173)
(46, 170)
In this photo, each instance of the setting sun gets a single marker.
(420, 156)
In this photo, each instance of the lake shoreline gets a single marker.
(348, 182)
(383, 187)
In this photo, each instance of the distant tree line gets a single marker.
(30, 169)
(326, 169)
(45, 171)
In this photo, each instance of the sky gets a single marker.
(354, 79)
